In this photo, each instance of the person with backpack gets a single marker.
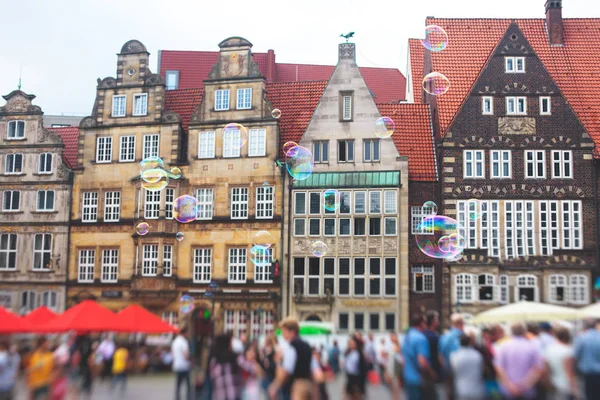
(419, 377)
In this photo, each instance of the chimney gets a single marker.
(554, 22)
(271, 66)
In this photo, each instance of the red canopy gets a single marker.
(87, 316)
(137, 319)
(12, 323)
(39, 316)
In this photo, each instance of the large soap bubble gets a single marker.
(185, 209)
(436, 84)
(440, 237)
(300, 166)
(384, 127)
(436, 38)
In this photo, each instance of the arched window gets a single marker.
(526, 288)
(486, 283)
(579, 289)
(463, 288)
(314, 318)
(557, 290)
(504, 293)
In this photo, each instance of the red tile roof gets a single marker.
(388, 84)
(183, 102)
(417, 54)
(413, 137)
(70, 138)
(574, 67)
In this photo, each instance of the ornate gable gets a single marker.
(19, 103)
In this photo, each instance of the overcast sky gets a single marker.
(64, 45)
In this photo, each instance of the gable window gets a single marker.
(86, 266)
(423, 278)
(112, 206)
(237, 265)
(151, 144)
(140, 104)
(152, 205)
(202, 262)
(244, 99)
(487, 105)
(149, 260)
(562, 164)
(514, 64)
(257, 143)
(418, 214)
(535, 164)
(110, 265)
(104, 149)
(371, 149)
(222, 100)
(558, 289)
(45, 200)
(172, 80)
(473, 164)
(463, 288)
(516, 105)
(231, 143)
(42, 250)
(167, 268)
(206, 145)
(119, 105)
(14, 163)
(11, 200)
(345, 150)
(127, 149)
(16, 130)
(501, 163)
(239, 203)
(578, 289)
(321, 151)
(45, 164)
(8, 251)
(545, 106)
(262, 266)
(264, 202)
(89, 207)
(169, 198)
(486, 285)
(346, 106)
(205, 203)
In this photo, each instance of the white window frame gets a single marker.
(87, 263)
(244, 99)
(347, 108)
(545, 102)
(43, 163)
(464, 289)
(509, 229)
(236, 265)
(490, 280)
(387, 277)
(112, 206)
(297, 202)
(418, 214)
(327, 223)
(221, 99)
(41, 253)
(385, 226)
(5, 253)
(205, 203)
(151, 146)
(504, 289)
(349, 227)
(110, 266)
(514, 68)
(257, 142)
(140, 104)
(300, 227)
(494, 242)
(571, 224)
(355, 276)
(262, 266)
(535, 163)
(498, 159)
(150, 260)
(172, 80)
(427, 273)
(169, 199)
(119, 106)
(89, 207)
(554, 282)
(579, 289)
(471, 157)
(321, 151)
(369, 150)
(558, 158)
(10, 165)
(357, 203)
(127, 148)
(525, 281)
(347, 144)
(231, 143)
(235, 322)
(103, 149)
(516, 105)
(239, 202)
(487, 105)
(8, 198)
(390, 202)
(16, 123)
(167, 260)
(49, 299)
(372, 276)
(202, 265)
(151, 205)
(265, 201)
(43, 196)
(378, 204)
(206, 144)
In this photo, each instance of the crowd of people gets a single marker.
(536, 361)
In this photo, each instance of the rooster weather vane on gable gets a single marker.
(347, 36)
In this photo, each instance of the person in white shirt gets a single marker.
(106, 350)
(180, 350)
(559, 358)
(467, 370)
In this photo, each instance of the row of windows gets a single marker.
(561, 165)
(515, 105)
(356, 277)
(356, 226)
(261, 323)
(243, 98)
(30, 300)
(202, 264)
(257, 143)
(469, 288)
(104, 144)
(9, 249)
(371, 321)
(380, 202)
(11, 201)
(140, 105)
(14, 163)
(371, 151)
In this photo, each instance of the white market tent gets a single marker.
(591, 311)
(527, 311)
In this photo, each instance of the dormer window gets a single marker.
(16, 129)
(514, 64)
(172, 80)
(140, 104)
(244, 99)
(119, 105)
(346, 106)
(222, 100)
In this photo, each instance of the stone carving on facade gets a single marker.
(197, 114)
(132, 47)
(514, 48)
(344, 246)
(19, 102)
(88, 122)
(390, 246)
(375, 245)
(170, 116)
(359, 246)
(45, 135)
(347, 51)
(63, 171)
(214, 72)
(154, 80)
(253, 70)
(107, 83)
(516, 126)
(515, 87)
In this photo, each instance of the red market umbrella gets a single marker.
(137, 319)
(12, 323)
(87, 316)
(39, 316)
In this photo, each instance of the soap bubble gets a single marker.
(186, 304)
(331, 200)
(300, 166)
(259, 255)
(237, 132)
(263, 238)
(436, 84)
(155, 179)
(179, 236)
(290, 149)
(384, 127)
(454, 258)
(151, 163)
(266, 184)
(430, 208)
(175, 173)
(319, 248)
(185, 209)
(142, 228)
(436, 38)
(276, 113)
(473, 209)
(440, 236)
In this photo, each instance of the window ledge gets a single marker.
(45, 212)
(15, 174)
(42, 173)
(139, 115)
(12, 212)
(118, 116)
(8, 270)
(93, 162)
(42, 271)
(15, 139)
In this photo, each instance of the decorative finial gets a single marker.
(20, 74)
(347, 36)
